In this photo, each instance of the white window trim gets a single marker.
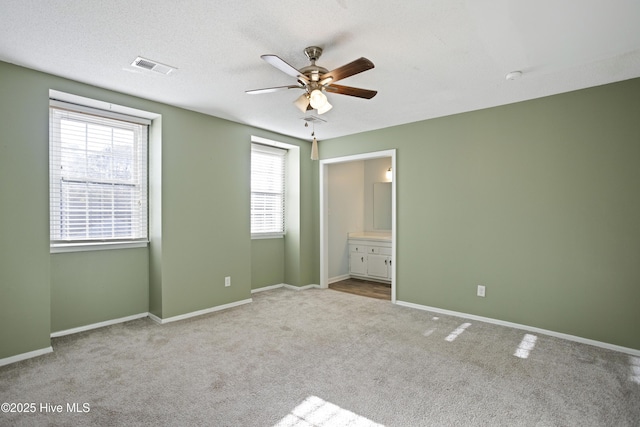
(258, 236)
(93, 246)
(270, 146)
(106, 109)
(292, 184)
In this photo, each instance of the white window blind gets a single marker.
(98, 175)
(267, 190)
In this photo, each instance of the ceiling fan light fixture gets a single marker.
(325, 108)
(317, 99)
(302, 102)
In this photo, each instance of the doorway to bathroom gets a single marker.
(358, 223)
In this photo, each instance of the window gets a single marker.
(98, 176)
(267, 191)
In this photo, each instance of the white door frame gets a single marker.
(324, 212)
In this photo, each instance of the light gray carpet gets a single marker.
(323, 358)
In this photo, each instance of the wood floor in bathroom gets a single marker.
(364, 288)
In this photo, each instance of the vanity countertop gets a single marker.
(370, 235)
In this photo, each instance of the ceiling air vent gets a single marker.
(154, 66)
(313, 119)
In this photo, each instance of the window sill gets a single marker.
(94, 246)
(267, 236)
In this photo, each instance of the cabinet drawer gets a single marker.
(378, 250)
(361, 249)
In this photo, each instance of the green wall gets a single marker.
(24, 221)
(199, 220)
(96, 286)
(539, 201)
(267, 266)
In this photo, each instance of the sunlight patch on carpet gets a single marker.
(634, 363)
(526, 345)
(453, 335)
(315, 412)
(430, 331)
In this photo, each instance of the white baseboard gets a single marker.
(267, 288)
(284, 285)
(155, 318)
(25, 356)
(338, 278)
(199, 312)
(98, 325)
(568, 337)
(301, 288)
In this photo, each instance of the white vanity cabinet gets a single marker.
(370, 256)
(357, 264)
(378, 266)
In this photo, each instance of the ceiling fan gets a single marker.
(316, 80)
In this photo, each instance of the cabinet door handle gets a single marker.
(362, 259)
(385, 262)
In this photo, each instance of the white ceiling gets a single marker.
(432, 57)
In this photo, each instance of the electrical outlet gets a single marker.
(481, 290)
(227, 281)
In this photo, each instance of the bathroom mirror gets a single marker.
(382, 205)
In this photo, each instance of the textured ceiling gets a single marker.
(432, 57)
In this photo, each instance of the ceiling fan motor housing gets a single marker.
(313, 72)
(313, 53)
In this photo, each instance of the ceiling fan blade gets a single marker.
(272, 89)
(351, 91)
(348, 70)
(283, 66)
